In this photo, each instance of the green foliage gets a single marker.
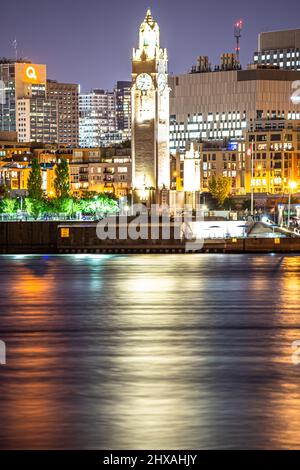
(8, 206)
(35, 207)
(64, 205)
(220, 188)
(62, 179)
(99, 205)
(34, 184)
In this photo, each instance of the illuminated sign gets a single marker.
(232, 145)
(262, 147)
(295, 98)
(31, 73)
(65, 232)
(285, 146)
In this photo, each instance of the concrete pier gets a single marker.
(58, 237)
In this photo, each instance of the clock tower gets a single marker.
(150, 113)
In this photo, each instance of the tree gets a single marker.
(8, 206)
(34, 183)
(64, 205)
(220, 188)
(35, 207)
(62, 179)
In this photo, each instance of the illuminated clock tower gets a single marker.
(150, 112)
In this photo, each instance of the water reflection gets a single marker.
(149, 351)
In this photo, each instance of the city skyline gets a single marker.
(103, 41)
(149, 210)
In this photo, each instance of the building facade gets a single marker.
(276, 157)
(25, 107)
(193, 169)
(222, 104)
(104, 172)
(38, 110)
(150, 110)
(37, 120)
(123, 108)
(65, 95)
(97, 121)
(279, 49)
(14, 175)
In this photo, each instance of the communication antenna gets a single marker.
(15, 46)
(238, 26)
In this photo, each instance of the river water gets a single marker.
(149, 351)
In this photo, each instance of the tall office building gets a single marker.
(279, 48)
(66, 95)
(223, 104)
(38, 110)
(97, 119)
(8, 110)
(24, 107)
(123, 108)
(37, 120)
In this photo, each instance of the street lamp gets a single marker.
(292, 186)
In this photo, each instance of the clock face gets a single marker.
(161, 81)
(143, 82)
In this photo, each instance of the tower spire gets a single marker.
(149, 18)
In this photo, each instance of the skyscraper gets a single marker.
(123, 108)
(25, 107)
(66, 95)
(97, 121)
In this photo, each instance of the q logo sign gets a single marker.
(31, 73)
(295, 98)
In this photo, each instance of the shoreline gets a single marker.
(72, 238)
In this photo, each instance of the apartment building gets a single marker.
(215, 159)
(276, 157)
(99, 173)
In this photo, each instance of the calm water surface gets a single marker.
(149, 351)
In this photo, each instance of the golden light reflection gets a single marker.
(31, 408)
(154, 404)
(285, 396)
(30, 284)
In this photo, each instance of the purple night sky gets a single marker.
(90, 41)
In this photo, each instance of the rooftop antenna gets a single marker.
(238, 26)
(15, 46)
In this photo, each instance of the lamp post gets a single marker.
(292, 186)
